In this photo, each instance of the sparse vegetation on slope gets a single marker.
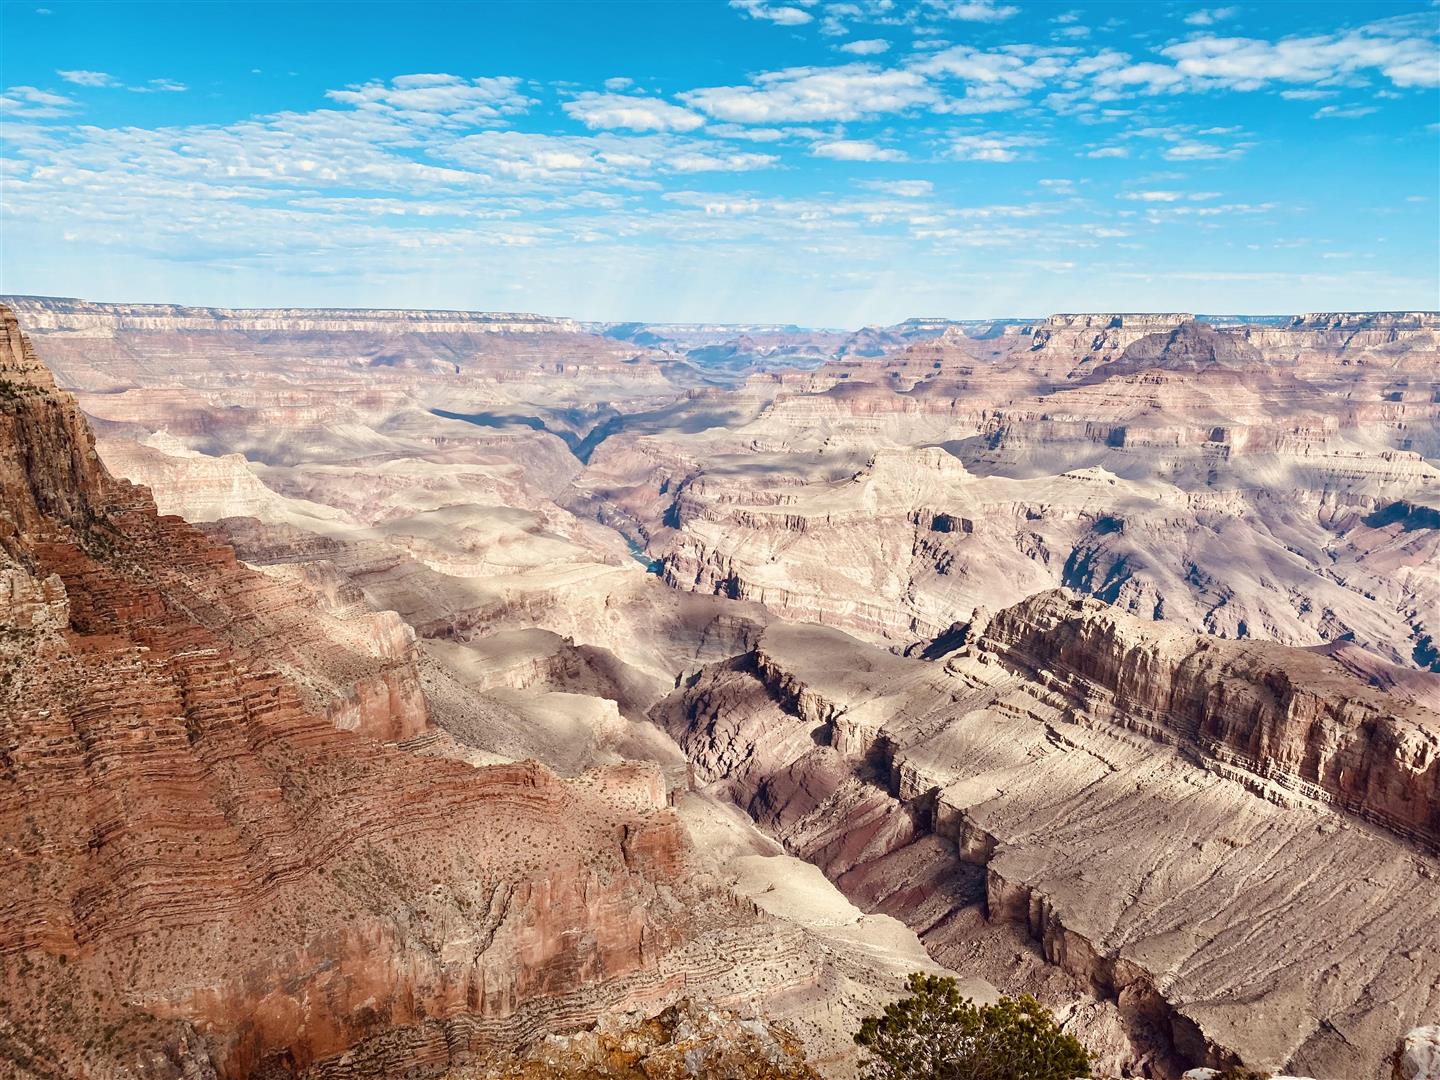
(936, 1034)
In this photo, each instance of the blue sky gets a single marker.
(827, 163)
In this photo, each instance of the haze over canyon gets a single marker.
(472, 694)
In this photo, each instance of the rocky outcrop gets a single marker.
(209, 879)
(1367, 320)
(50, 469)
(1189, 347)
(1204, 476)
(44, 313)
(1094, 336)
(1167, 818)
(1418, 1057)
(1289, 717)
(689, 1039)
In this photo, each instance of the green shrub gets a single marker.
(935, 1034)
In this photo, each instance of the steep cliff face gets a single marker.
(83, 317)
(206, 877)
(1288, 716)
(1094, 337)
(1248, 482)
(686, 1040)
(1227, 848)
(50, 468)
(1189, 347)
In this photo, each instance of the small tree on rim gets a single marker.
(935, 1034)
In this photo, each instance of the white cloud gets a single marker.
(1013, 71)
(1399, 49)
(1344, 112)
(760, 134)
(905, 189)
(633, 113)
(1146, 77)
(696, 161)
(866, 47)
(1198, 151)
(89, 78)
(996, 81)
(781, 14)
(160, 86)
(618, 83)
(534, 158)
(1108, 152)
(979, 11)
(105, 79)
(35, 104)
(810, 94)
(995, 147)
(1210, 16)
(979, 105)
(855, 150)
(439, 98)
(1169, 196)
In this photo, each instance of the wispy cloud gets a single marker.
(36, 104)
(1399, 50)
(1169, 196)
(103, 79)
(1211, 16)
(632, 113)
(159, 86)
(1344, 112)
(992, 147)
(439, 98)
(866, 47)
(1200, 151)
(89, 78)
(856, 150)
(905, 189)
(815, 95)
(979, 11)
(782, 14)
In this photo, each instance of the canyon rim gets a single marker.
(505, 574)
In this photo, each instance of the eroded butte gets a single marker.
(505, 688)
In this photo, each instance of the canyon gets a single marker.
(474, 693)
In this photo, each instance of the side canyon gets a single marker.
(456, 693)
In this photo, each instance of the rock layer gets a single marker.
(208, 878)
(1172, 820)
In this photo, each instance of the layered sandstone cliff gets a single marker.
(1248, 482)
(81, 316)
(1288, 717)
(1228, 847)
(209, 879)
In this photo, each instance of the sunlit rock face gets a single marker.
(1261, 483)
(1230, 844)
(207, 874)
(514, 666)
(222, 862)
(260, 827)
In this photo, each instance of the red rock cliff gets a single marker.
(1290, 717)
(205, 877)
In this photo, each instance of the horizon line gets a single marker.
(5, 298)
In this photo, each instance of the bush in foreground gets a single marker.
(935, 1034)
